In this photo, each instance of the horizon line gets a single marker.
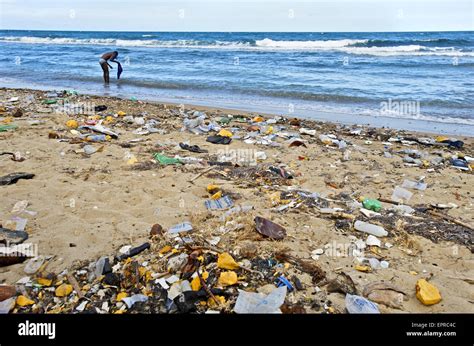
(238, 31)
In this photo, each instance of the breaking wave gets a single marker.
(348, 46)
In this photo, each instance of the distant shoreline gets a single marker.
(244, 32)
(421, 127)
(400, 124)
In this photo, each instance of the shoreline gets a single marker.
(83, 205)
(399, 124)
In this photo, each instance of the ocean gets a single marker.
(352, 77)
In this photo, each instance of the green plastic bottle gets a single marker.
(371, 204)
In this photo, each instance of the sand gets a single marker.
(89, 207)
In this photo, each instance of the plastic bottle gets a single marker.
(325, 139)
(369, 228)
(360, 305)
(134, 251)
(96, 138)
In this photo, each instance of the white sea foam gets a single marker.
(124, 43)
(303, 45)
(353, 47)
(416, 50)
(348, 46)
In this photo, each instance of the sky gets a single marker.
(238, 15)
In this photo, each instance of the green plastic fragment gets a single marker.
(4, 128)
(165, 160)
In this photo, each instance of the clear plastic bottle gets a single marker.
(360, 305)
(369, 228)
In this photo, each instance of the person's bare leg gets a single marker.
(105, 68)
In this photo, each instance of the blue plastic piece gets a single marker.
(282, 281)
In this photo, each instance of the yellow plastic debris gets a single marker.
(427, 293)
(109, 119)
(212, 303)
(121, 114)
(441, 138)
(142, 271)
(217, 195)
(225, 133)
(121, 295)
(364, 269)
(258, 119)
(275, 198)
(133, 160)
(212, 188)
(228, 278)
(165, 249)
(72, 124)
(196, 284)
(63, 291)
(44, 282)
(226, 261)
(269, 130)
(23, 301)
(326, 141)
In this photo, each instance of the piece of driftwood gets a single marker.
(452, 219)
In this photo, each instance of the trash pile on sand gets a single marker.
(236, 254)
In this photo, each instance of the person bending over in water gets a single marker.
(104, 63)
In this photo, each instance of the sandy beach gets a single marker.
(82, 207)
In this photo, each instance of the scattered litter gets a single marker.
(359, 305)
(165, 160)
(269, 228)
(130, 301)
(182, 227)
(408, 184)
(220, 203)
(369, 228)
(12, 178)
(427, 293)
(401, 195)
(257, 303)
